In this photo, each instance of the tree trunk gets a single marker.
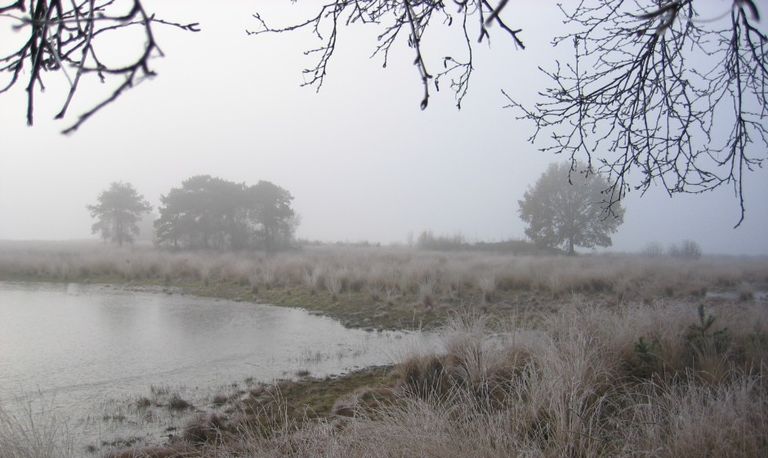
(571, 251)
(119, 232)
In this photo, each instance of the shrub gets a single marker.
(175, 402)
(204, 429)
(688, 249)
(653, 250)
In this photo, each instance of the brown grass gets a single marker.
(34, 432)
(567, 386)
(393, 287)
(588, 356)
(589, 381)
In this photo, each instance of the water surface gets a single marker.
(80, 346)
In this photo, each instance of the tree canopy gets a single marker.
(569, 209)
(209, 212)
(117, 212)
(667, 92)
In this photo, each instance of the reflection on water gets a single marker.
(85, 345)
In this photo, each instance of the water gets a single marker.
(760, 296)
(86, 349)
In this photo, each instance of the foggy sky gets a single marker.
(361, 159)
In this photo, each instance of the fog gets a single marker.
(361, 159)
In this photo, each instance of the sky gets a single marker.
(361, 159)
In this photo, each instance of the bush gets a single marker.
(177, 403)
(688, 249)
(204, 429)
(653, 250)
(428, 241)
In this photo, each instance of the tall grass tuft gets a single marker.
(562, 388)
(33, 433)
(461, 276)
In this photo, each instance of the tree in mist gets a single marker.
(653, 250)
(270, 209)
(209, 212)
(117, 212)
(646, 83)
(567, 208)
(669, 96)
(688, 249)
(427, 240)
(204, 212)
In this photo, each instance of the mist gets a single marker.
(231, 259)
(362, 161)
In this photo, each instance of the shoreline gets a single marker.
(633, 320)
(194, 400)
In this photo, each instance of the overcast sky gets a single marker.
(361, 159)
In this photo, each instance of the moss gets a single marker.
(177, 403)
(205, 429)
(312, 398)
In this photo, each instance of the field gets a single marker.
(595, 355)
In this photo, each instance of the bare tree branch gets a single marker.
(393, 19)
(652, 89)
(62, 36)
(654, 94)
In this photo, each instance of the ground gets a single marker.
(694, 329)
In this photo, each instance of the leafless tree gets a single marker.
(403, 18)
(63, 36)
(648, 82)
(657, 90)
(654, 92)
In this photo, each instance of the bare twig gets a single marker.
(637, 100)
(63, 35)
(394, 18)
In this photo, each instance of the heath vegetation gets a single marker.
(597, 355)
(657, 380)
(389, 286)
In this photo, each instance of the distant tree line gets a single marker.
(687, 249)
(564, 209)
(204, 212)
(428, 241)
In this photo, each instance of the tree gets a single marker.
(209, 212)
(204, 212)
(569, 209)
(117, 212)
(688, 249)
(648, 81)
(270, 207)
(653, 250)
(676, 97)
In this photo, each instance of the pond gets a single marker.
(85, 349)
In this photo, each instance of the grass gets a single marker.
(390, 287)
(662, 380)
(34, 432)
(307, 398)
(176, 402)
(589, 381)
(587, 356)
